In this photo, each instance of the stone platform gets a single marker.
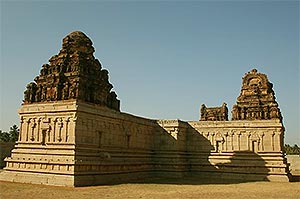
(74, 143)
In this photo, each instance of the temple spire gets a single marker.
(257, 99)
(73, 74)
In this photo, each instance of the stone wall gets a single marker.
(112, 146)
(241, 149)
(5, 151)
(80, 144)
(294, 166)
(45, 150)
(85, 144)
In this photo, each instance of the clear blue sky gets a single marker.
(165, 58)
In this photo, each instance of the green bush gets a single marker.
(291, 150)
(11, 136)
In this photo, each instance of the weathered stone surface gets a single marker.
(294, 166)
(73, 74)
(214, 113)
(73, 134)
(5, 151)
(257, 99)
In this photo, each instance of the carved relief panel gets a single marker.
(46, 130)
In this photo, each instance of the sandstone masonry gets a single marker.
(72, 132)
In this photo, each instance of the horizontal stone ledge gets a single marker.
(83, 173)
(114, 154)
(108, 164)
(228, 164)
(50, 147)
(45, 150)
(41, 162)
(216, 171)
(34, 153)
(51, 106)
(42, 171)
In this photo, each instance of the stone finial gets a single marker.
(77, 41)
(254, 71)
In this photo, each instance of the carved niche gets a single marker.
(214, 113)
(257, 99)
(73, 74)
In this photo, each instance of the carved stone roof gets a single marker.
(73, 74)
(257, 99)
(214, 113)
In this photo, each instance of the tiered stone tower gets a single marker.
(73, 74)
(253, 141)
(257, 99)
(72, 132)
(51, 114)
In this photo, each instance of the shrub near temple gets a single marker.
(291, 150)
(11, 136)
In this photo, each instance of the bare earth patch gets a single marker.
(166, 189)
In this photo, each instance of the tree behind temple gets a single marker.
(14, 133)
(11, 136)
(291, 150)
(4, 136)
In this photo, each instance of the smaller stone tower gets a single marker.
(214, 113)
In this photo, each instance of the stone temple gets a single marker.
(72, 132)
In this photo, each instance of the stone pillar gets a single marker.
(277, 141)
(54, 130)
(212, 140)
(21, 129)
(27, 130)
(273, 141)
(60, 125)
(33, 125)
(231, 135)
(38, 134)
(239, 140)
(261, 136)
(248, 134)
(226, 141)
(67, 120)
(72, 132)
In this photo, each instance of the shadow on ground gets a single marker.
(188, 181)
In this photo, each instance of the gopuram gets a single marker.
(72, 132)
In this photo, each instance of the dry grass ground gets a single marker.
(165, 189)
